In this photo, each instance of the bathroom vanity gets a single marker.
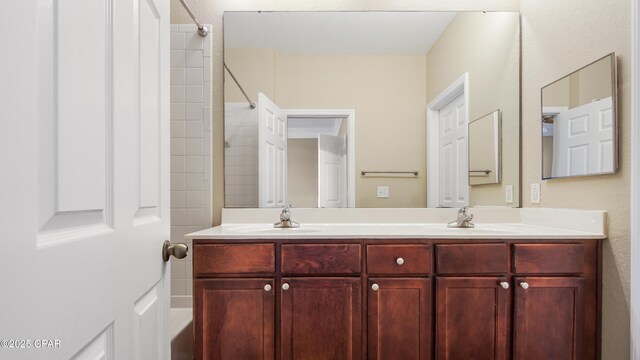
(400, 290)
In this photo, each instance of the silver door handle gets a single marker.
(179, 250)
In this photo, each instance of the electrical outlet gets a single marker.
(383, 192)
(535, 193)
(508, 194)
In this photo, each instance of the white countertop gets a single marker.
(490, 223)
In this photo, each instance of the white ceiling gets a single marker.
(336, 32)
(310, 127)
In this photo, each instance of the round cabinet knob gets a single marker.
(375, 287)
(399, 261)
(504, 284)
(285, 286)
(524, 285)
(267, 287)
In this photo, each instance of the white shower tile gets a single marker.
(187, 28)
(194, 199)
(179, 217)
(178, 164)
(193, 93)
(177, 111)
(194, 129)
(206, 116)
(193, 58)
(177, 129)
(194, 164)
(206, 45)
(177, 41)
(188, 287)
(193, 41)
(177, 58)
(194, 146)
(193, 76)
(178, 232)
(178, 268)
(178, 199)
(177, 76)
(206, 144)
(206, 70)
(178, 286)
(178, 146)
(194, 181)
(206, 94)
(206, 170)
(178, 182)
(194, 216)
(177, 93)
(193, 111)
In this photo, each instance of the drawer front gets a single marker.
(472, 259)
(321, 259)
(548, 258)
(398, 259)
(234, 259)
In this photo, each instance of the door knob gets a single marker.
(504, 284)
(524, 285)
(178, 250)
(399, 261)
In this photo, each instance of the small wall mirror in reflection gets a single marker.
(484, 150)
(579, 127)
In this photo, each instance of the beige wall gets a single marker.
(581, 32)
(255, 71)
(302, 181)
(486, 46)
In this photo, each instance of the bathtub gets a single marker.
(181, 333)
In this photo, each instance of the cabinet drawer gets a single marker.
(548, 258)
(398, 259)
(234, 258)
(472, 258)
(321, 258)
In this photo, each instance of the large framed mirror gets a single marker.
(367, 109)
(579, 126)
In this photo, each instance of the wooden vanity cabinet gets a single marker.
(397, 299)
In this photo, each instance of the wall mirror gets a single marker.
(485, 150)
(579, 127)
(368, 109)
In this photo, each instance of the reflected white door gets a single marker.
(583, 140)
(272, 154)
(332, 172)
(453, 176)
(84, 132)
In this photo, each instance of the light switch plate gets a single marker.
(508, 194)
(383, 192)
(535, 193)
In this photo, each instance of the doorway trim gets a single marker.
(457, 88)
(350, 115)
(635, 185)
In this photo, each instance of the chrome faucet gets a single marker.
(285, 220)
(464, 219)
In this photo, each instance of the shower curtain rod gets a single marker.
(251, 104)
(202, 30)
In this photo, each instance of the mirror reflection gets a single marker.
(484, 150)
(368, 109)
(579, 122)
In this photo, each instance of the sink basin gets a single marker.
(266, 230)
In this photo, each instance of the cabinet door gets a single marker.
(237, 319)
(472, 318)
(321, 318)
(399, 320)
(548, 318)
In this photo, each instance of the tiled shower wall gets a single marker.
(240, 155)
(190, 148)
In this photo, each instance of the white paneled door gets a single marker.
(583, 140)
(452, 143)
(332, 172)
(84, 153)
(272, 154)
